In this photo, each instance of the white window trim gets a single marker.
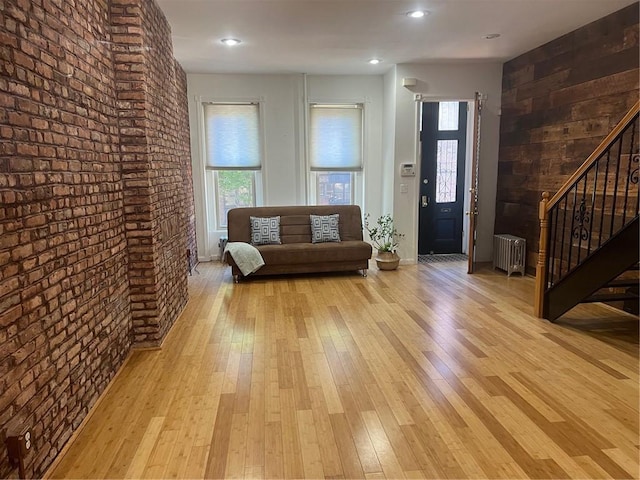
(213, 228)
(359, 176)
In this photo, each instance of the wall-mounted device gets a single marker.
(408, 170)
(409, 82)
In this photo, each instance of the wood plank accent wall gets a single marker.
(558, 102)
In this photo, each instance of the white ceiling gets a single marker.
(340, 36)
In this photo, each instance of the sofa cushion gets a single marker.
(300, 253)
(324, 228)
(265, 230)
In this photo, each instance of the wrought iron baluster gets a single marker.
(593, 204)
(552, 254)
(636, 159)
(582, 217)
(564, 227)
(631, 158)
(633, 177)
(604, 197)
(635, 156)
(573, 219)
(548, 274)
(615, 185)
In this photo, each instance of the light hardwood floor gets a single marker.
(424, 372)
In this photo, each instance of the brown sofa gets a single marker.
(296, 253)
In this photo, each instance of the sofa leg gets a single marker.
(236, 279)
(364, 272)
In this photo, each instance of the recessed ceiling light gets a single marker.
(374, 61)
(417, 13)
(490, 36)
(230, 42)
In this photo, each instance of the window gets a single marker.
(448, 116)
(232, 155)
(334, 188)
(335, 152)
(446, 171)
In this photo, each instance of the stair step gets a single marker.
(610, 297)
(622, 282)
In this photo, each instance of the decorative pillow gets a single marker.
(265, 230)
(324, 228)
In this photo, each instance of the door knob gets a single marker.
(425, 201)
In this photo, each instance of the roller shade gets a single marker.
(335, 137)
(232, 136)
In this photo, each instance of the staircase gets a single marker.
(589, 233)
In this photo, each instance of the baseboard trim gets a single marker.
(132, 349)
(92, 411)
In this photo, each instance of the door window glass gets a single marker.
(448, 116)
(446, 171)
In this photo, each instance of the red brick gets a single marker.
(10, 316)
(65, 204)
(8, 286)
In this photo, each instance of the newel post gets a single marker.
(541, 266)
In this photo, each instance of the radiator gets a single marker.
(221, 244)
(509, 253)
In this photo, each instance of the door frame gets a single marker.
(467, 163)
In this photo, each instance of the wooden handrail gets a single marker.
(546, 205)
(604, 145)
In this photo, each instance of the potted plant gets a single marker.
(385, 238)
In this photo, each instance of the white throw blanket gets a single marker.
(247, 257)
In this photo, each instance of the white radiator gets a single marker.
(509, 253)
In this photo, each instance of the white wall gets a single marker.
(283, 111)
(388, 139)
(439, 82)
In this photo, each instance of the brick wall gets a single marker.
(165, 133)
(153, 154)
(92, 206)
(558, 102)
(185, 145)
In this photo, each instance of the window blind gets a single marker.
(335, 137)
(232, 136)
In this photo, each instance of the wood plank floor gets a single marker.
(423, 372)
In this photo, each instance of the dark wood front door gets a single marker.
(443, 136)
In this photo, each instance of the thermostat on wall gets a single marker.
(407, 170)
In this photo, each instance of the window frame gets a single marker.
(212, 203)
(221, 221)
(356, 173)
